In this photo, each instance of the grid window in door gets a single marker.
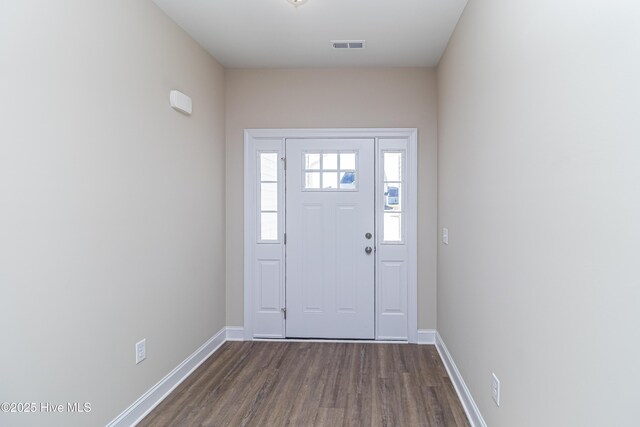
(330, 171)
(393, 187)
(268, 197)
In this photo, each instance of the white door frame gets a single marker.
(273, 140)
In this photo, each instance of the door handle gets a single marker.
(368, 250)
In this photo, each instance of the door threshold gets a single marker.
(332, 340)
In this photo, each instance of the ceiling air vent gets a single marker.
(347, 44)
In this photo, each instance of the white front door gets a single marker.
(330, 244)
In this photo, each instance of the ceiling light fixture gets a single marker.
(297, 3)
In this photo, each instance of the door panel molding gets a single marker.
(399, 323)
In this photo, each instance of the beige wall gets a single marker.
(333, 98)
(111, 207)
(539, 186)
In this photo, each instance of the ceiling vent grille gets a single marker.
(347, 44)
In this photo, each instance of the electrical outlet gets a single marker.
(495, 388)
(141, 351)
(445, 236)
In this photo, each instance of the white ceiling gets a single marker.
(272, 33)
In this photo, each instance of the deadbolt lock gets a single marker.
(368, 235)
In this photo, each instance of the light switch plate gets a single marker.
(445, 236)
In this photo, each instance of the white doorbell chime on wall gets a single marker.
(180, 102)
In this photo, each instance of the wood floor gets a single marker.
(314, 384)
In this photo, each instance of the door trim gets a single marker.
(254, 139)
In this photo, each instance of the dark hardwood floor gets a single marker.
(314, 384)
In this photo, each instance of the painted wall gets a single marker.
(539, 186)
(333, 98)
(111, 204)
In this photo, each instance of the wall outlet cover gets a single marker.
(495, 389)
(141, 350)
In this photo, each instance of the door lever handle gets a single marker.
(368, 250)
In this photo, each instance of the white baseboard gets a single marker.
(469, 405)
(235, 333)
(426, 336)
(141, 407)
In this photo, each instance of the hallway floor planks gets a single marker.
(314, 384)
